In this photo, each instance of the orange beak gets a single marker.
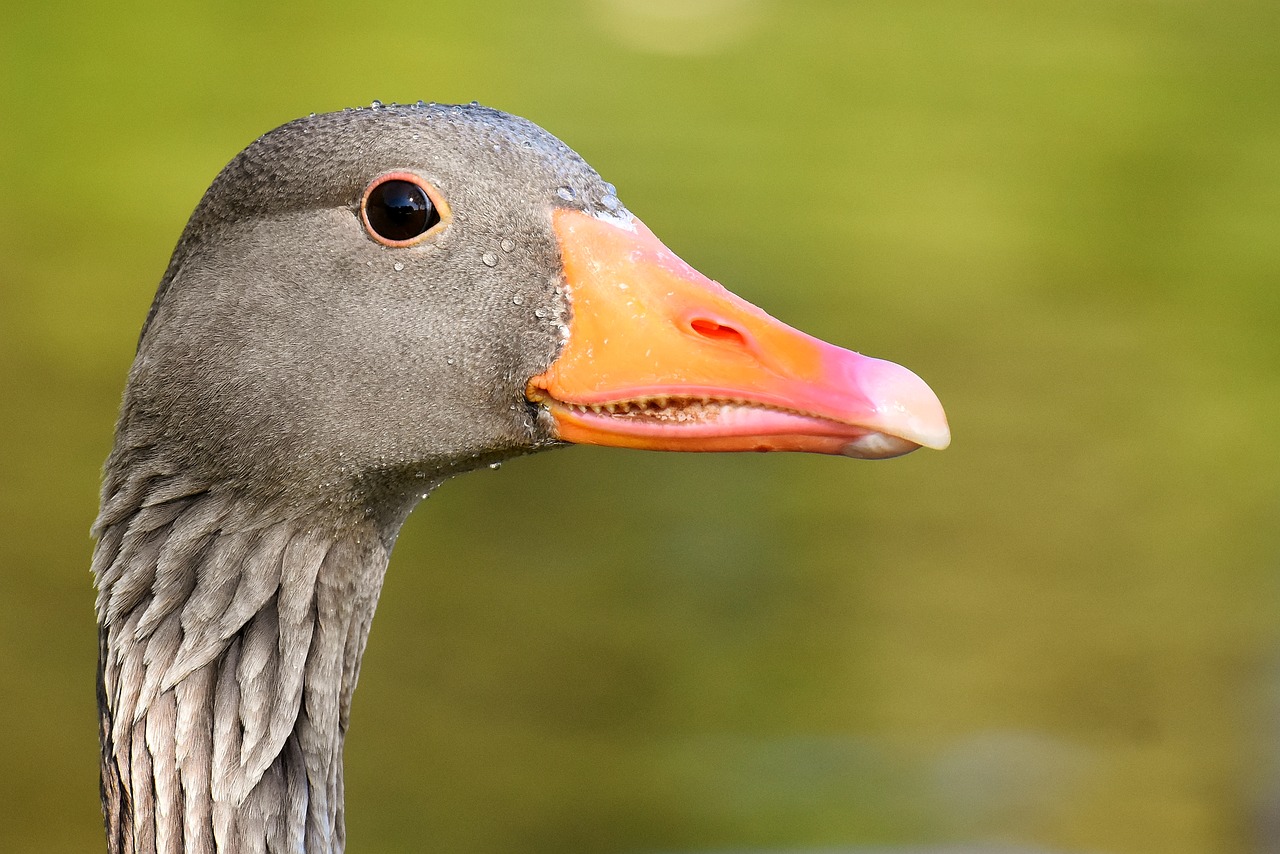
(661, 357)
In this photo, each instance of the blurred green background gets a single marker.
(1063, 632)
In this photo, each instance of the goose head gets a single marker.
(366, 299)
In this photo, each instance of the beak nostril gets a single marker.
(716, 331)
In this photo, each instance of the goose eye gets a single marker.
(397, 209)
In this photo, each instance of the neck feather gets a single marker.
(230, 641)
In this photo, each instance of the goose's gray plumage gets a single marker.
(299, 385)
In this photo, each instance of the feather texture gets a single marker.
(228, 658)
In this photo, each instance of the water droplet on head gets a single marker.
(495, 466)
(376, 105)
(421, 103)
(517, 299)
(610, 189)
(489, 259)
(397, 266)
(565, 193)
(449, 360)
(507, 244)
(539, 313)
(475, 103)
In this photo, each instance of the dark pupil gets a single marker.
(400, 210)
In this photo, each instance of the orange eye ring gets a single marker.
(400, 209)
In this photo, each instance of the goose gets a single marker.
(363, 305)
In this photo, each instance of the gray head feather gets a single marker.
(297, 388)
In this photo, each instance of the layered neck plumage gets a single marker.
(231, 632)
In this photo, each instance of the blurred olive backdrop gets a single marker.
(1062, 632)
